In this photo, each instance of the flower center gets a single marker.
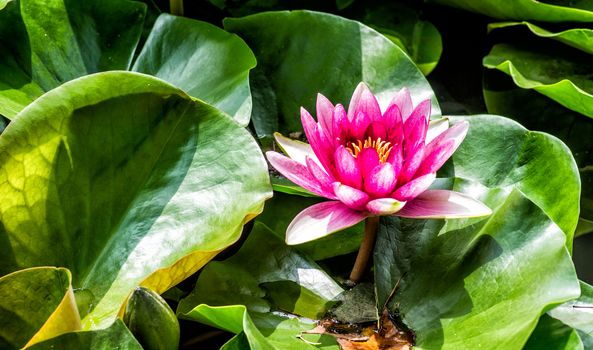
(383, 148)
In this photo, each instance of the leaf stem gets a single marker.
(176, 7)
(366, 249)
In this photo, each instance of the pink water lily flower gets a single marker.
(371, 163)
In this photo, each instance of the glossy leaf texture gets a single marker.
(578, 314)
(553, 334)
(544, 11)
(240, 294)
(535, 163)
(475, 283)
(556, 71)
(201, 59)
(538, 112)
(261, 331)
(125, 180)
(45, 43)
(116, 336)
(265, 275)
(484, 282)
(579, 38)
(401, 24)
(560, 74)
(36, 304)
(310, 52)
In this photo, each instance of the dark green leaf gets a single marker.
(261, 331)
(309, 52)
(116, 336)
(203, 60)
(553, 334)
(537, 112)
(266, 268)
(45, 43)
(500, 155)
(485, 282)
(565, 79)
(125, 180)
(578, 314)
(475, 283)
(545, 11)
(579, 38)
(27, 300)
(401, 24)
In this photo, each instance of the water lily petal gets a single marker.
(392, 119)
(415, 128)
(295, 149)
(411, 165)
(320, 220)
(359, 125)
(381, 180)
(347, 168)
(396, 158)
(352, 197)
(435, 128)
(320, 144)
(367, 160)
(442, 147)
(310, 128)
(325, 111)
(377, 131)
(434, 204)
(340, 124)
(415, 187)
(403, 101)
(325, 180)
(363, 100)
(384, 206)
(297, 173)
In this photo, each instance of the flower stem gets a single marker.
(176, 7)
(366, 249)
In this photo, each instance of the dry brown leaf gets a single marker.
(367, 337)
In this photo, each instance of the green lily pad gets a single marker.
(420, 39)
(116, 336)
(565, 79)
(579, 38)
(310, 52)
(473, 283)
(553, 334)
(261, 331)
(578, 314)
(45, 43)
(265, 274)
(552, 11)
(535, 163)
(485, 281)
(537, 112)
(243, 294)
(125, 180)
(567, 326)
(36, 304)
(201, 59)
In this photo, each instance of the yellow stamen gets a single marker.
(382, 147)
